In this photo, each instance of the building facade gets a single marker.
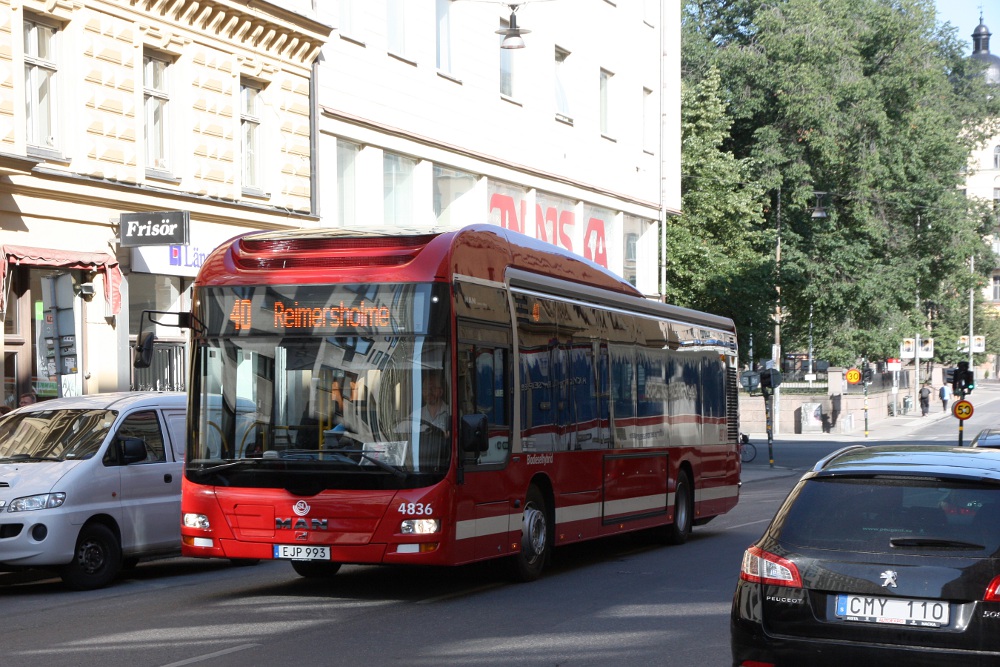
(119, 107)
(137, 135)
(983, 179)
(426, 121)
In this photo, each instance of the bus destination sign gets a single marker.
(305, 309)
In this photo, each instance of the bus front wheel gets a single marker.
(535, 530)
(679, 531)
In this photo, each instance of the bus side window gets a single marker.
(483, 379)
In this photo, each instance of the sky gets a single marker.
(964, 14)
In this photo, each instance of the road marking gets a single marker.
(209, 656)
(744, 525)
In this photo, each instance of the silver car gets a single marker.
(91, 484)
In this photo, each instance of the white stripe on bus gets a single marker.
(472, 528)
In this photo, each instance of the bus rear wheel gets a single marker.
(528, 563)
(314, 569)
(679, 531)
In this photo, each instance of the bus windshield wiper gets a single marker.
(228, 464)
(933, 542)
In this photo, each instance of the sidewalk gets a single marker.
(892, 428)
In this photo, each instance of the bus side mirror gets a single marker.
(144, 350)
(473, 434)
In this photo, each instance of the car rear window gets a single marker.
(890, 515)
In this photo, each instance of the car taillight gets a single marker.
(993, 590)
(762, 567)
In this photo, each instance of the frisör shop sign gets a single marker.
(154, 228)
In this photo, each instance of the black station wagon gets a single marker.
(879, 555)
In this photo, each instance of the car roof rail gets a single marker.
(828, 459)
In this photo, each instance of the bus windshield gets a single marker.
(320, 386)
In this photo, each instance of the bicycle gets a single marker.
(748, 450)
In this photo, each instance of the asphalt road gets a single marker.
(626, 601)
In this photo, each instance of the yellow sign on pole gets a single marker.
(962, 410)
(853, 376)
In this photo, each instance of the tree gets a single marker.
(714, 259)
(873, 104)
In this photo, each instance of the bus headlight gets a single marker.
(42, 501)
(420, 526)
(196, 521)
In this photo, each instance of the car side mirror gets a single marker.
(474, 433)
(133, 450)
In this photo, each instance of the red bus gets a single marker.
(441, 398)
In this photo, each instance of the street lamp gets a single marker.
(819, 212)
(512, 34)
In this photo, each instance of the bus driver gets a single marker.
(435, 410)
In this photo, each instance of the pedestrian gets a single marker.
(945, 394)
(925, 399)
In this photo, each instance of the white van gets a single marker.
(91, 484)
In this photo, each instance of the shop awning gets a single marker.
(100, 262)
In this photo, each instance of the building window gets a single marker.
(996, 205)
(506, 65)
(996, 287)
(444, 35)
(996, 157)
(250, 131)
(562, 100)
(397, 172)
(396, 26)
(155, 92)
(346, 12)
(40, 41)
(454, 197)
(650, 121)
(605, 102)
(347, 158)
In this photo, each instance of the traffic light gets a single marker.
(866, 373)
(970, 381)
(949, 376)
(960, 379)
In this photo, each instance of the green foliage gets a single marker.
(714, 259)
(875, 105)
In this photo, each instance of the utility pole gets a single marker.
(972, 303)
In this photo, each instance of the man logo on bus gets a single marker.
(301, 508)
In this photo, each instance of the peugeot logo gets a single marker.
(888, 579)
(302, 508)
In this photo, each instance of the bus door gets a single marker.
(484, 497)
